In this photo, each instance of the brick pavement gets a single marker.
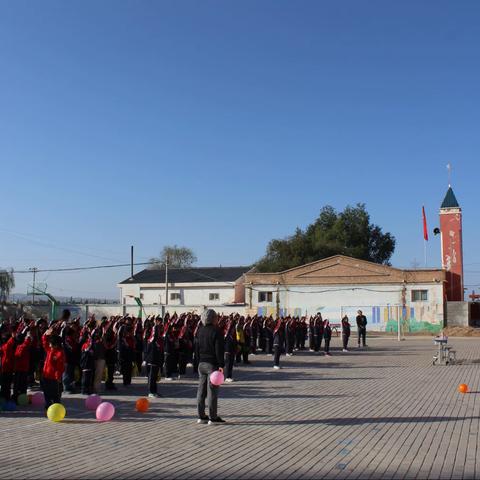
(384, 412)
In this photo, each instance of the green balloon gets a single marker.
(22, 399)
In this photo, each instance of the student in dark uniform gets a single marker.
(87, 364)
(126, 352)
(154, 357)
(327, 335)
(345, 333)
(278, 343)
(268, 333)
(230, 339)
(318, 333)
(311, 336)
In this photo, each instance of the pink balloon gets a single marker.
(38, 399)
(105, 412)
(93, 401)
(216, 378)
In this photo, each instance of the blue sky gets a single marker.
(220, 125)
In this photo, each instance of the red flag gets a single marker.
(425, 229)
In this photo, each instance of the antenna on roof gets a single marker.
(449, 168)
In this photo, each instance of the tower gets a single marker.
(452, 248)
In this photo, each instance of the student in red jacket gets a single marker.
(22, 362)
(53, 368)
(7, 358)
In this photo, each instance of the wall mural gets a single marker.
(380, 318)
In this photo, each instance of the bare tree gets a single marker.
(7, 282)
(178, 257)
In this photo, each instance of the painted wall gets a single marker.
(382, 304)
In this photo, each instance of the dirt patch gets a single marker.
(461, 332)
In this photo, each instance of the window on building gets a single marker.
(265, 297)
(141, 296)
(214, 296)
(174, 296)
(419, 295)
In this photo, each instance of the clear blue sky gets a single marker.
(220, 125)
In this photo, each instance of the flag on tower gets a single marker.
(425, 229)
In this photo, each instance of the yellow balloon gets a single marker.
(56, 412)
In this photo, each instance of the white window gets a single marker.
(213, 296)
(174, 296)
(265, 297)
(419, 295)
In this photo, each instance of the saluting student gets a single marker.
(154, 356)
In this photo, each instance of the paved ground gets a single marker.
(380, 413)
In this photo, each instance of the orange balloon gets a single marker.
(142, 405)
(463, 388)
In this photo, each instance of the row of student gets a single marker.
(165, 345)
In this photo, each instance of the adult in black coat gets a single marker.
(211, 352)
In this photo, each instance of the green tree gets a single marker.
(7, 282)
(347, 233)
(178, 257)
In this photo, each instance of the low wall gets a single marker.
(108, 310)
(458, 314)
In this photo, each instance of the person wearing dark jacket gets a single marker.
(327, 335)
(362, 328)
(211, 358)
(345, 333)
(278, 343)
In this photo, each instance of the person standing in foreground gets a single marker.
(362, 328)
(211, 357)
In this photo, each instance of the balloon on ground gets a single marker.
(105, 412)
(93, 401)
(38, 399)
(142, 405)
(56, 412)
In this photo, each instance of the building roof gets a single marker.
(343, 270)
(450, 200)
(188, 275)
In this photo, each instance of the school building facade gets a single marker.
(339, 285)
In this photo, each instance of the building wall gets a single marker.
(383, 305)
(190, 294)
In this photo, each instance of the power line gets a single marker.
(76, 269)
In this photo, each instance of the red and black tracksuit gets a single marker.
(21, 366)
(53, 368)
(7, 362)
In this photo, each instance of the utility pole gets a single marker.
(34, 270)
(166, 280)
(131, 261)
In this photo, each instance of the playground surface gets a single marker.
(380, 412)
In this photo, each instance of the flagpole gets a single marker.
(425, 251)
